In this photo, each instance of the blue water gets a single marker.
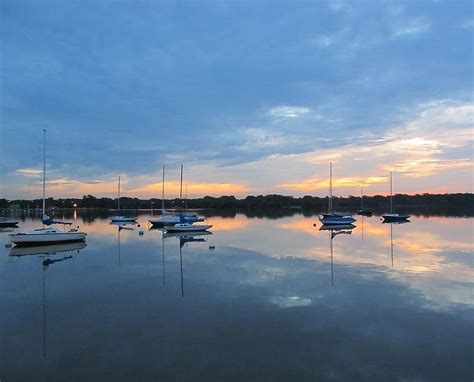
(276, 300)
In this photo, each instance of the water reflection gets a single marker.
(47, 254)
(259, 307)
(343, 229)
(128, 226)
(184, 238)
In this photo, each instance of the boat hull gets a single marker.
(47, 238)
(395, 218)
(337, 220)
(4, 222)
(172, 220)
(190, 228)
(123, 219)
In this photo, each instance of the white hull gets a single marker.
(336, 220)
(172, 220)
(122, 219)
(46, 236)
(187, 228)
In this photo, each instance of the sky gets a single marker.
(252, 97)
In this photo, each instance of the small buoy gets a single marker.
(314, 224)
(138, 225)
(212, 247)
(8, 245)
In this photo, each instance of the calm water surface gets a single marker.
(276, 300)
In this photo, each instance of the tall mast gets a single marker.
(330, 186)
(181, 189)
(362, 199)
(44, 173)
(186, 199)
(163, 191)
(391, 203)
(118, 195)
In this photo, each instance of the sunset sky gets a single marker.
(252, 97)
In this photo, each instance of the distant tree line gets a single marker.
(460, 203)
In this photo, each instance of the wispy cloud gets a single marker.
(29, 172)
(288, 111)
(411, 27)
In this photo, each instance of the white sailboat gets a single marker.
(169, 218)
(121, 218)
(332, 217)
(46, 235)
(184, 225)
(391, 217)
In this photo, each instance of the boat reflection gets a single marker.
(47, 250)
(391, 234)
(345, 229)
(184, 238)
(47, 253)
(129, 226)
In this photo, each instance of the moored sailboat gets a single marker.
(392, 217)
(46, 235)
(121, 218)
(332, 217)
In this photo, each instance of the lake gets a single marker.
(261, 299)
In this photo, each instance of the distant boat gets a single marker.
(364, 211)
(121, 218)
(332, 217)
(46, 235)
(6, 222)
(171, 217)
(186, 227)
(391, 217)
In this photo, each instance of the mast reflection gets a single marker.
(47, 253)
(391, 235)
(335, 230)
(184, 238)
(122, 226)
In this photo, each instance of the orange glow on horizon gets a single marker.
(315, 184)
(193, 189)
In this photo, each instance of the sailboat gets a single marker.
(46, 235)
(7, 222)
(391, 217)
(169, 218)
(332, 217)
(363, 211)
(184, 225)
(121, 218)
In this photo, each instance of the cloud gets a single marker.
(411, 27)
(29, 172)
(282, 90)
(288, 111)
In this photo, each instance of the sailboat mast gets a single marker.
(163, 192)
(181, 189)
(118, 195)
(330, 187)
(391, 202)
(362, 199)
(44, 174)
(186, 199)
